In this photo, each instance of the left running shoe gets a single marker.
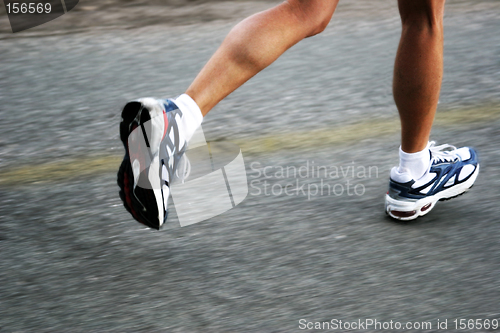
(451, 172)
(154, 146)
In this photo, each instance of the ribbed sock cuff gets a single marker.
(191, 114)
(416, 164)
(188, 105)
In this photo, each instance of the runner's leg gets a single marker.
(418, 70)
(254, 44)
(426, 173)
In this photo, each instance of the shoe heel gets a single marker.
(406, 211)
(129, 113)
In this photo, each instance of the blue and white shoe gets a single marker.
(154, 146)
(452, 172)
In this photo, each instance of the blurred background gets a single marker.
(72, 259)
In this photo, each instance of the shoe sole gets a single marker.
(410, 210)
(143, 211)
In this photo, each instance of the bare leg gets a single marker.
(418, 70)
(254, 44)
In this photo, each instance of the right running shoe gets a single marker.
(452, 172)
(154, 147)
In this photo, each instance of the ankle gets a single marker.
(191, 115)
(416, 164)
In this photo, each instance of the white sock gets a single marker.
(191, 115)
(414, 164)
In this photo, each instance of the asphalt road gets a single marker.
(73, 260)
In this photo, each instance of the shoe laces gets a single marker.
(443, 153)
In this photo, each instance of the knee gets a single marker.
(313, 15)
(422, 14)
